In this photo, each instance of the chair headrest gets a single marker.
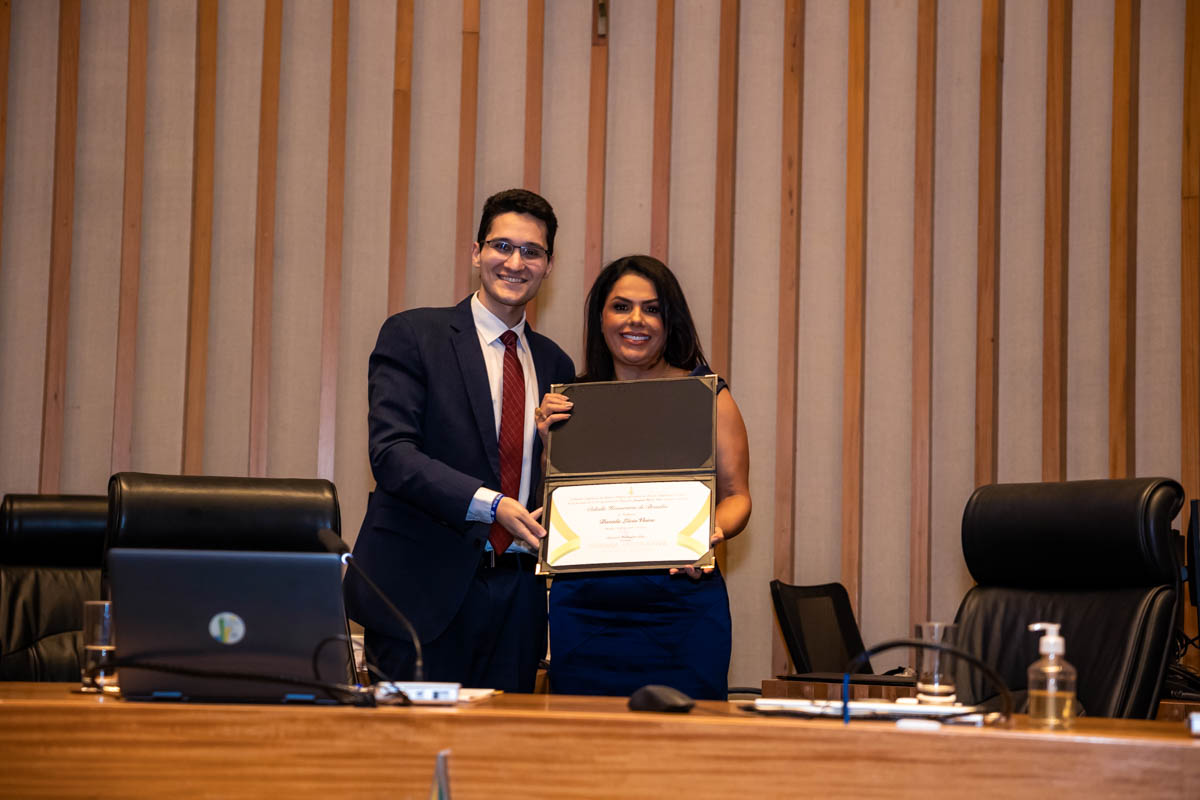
(217, 513)
(1074, 535)
(53, 530)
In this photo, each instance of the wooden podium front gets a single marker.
(57, 744)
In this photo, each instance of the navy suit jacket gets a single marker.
(433, 442)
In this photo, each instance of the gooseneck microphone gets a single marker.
(334, 544)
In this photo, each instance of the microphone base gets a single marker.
(426, 693)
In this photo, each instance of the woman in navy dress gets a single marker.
(613, 632)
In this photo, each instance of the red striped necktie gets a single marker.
(512, 434)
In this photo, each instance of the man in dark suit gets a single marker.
(454, 448)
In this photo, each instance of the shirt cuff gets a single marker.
(480, 508)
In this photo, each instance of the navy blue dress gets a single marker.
(612, 633)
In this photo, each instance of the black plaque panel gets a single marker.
(651, 426)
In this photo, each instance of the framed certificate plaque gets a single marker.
(631, 477)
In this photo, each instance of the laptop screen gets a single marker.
(224, 613)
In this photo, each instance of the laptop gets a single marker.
(249, 613)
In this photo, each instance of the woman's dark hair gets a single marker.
(682, 347)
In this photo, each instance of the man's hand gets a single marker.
(520, 522)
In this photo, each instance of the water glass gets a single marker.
(935, 669)
(99, 648)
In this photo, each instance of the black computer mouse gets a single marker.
(656, 697)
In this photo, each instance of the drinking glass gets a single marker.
(99, 648)
(935, 669)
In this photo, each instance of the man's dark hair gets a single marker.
(682, 348)
(520, 201)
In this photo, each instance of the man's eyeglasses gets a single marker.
(530, 253)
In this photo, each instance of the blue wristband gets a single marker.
(495, 504)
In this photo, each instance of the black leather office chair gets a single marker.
(201, 512)
(51, 547)
(818, 626)
(1096, 557)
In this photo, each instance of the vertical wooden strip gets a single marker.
(1122, 241)
(535, 39)
(987, 329)
(855, 319)
(120, 458)
(401, 146)
(468, 113)
(593, 236)
(724, 199)
(264, 239)
(62, 228)
(660, 168)
(1189, 282)
(922, 316)
(1054, 260)
(5, 36)
(335, 187)
(784, 555)
(726, 178)
(200, 268)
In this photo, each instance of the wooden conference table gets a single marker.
(55, 743)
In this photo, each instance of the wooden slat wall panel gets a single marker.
(794, 555)
(855, 319)
(1055, 251)
(784, 550)
(1122, 275)
(922, 318)
(660, 196)
(96, 255)
(401, 155)
(131, 239)
(264, 239)
(1087, 374)
(62, 223)
(724, 197)
(467, 120)
(722, 301)
(535, 40)
(535, 57)
(5, 34)
(987, 293)
(335, 190)
(1189, 274)
(200, 267)
(593, 242)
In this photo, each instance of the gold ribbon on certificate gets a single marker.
(637, 523)
(571, 539)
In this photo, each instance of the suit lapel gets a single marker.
(465, 341)
(542, 361)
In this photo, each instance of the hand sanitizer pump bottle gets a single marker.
(1051, 681)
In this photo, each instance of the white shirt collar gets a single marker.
(489, 325)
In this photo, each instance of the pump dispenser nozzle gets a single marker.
(1051, 643)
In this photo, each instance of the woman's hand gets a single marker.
(694, 572)
(554, 408)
